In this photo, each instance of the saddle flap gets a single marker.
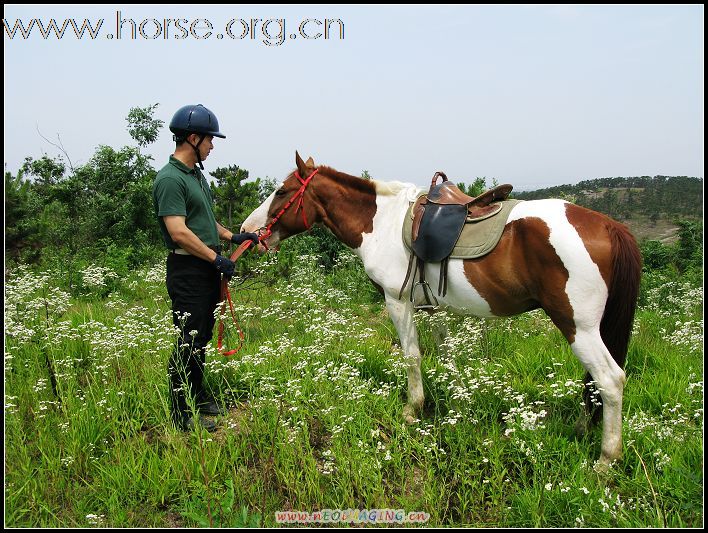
(438, 231)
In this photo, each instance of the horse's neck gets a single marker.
(359, 213)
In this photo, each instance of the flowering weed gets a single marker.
(316, 397)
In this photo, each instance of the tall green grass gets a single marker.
(315, 420)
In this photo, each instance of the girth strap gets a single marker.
(408, 276)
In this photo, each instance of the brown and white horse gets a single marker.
(581, 267)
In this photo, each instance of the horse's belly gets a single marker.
(461, 296)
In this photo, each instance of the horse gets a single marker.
(581, 267)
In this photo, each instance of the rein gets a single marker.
(225, 294)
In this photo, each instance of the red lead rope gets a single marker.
(226, 297)
(225, 294)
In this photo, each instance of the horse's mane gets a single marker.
(382, 187)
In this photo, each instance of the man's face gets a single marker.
(205, 147)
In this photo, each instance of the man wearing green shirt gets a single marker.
(183, 205)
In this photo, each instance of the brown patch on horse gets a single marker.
(523, 273)
(348, 205)
(596, 242)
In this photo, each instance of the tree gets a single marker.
(117, 189)
(142, 127)
(689, 252)
(478, 186)
(266, 188)
(46, 171)
(234, 199)
(656, 255)
(21, 229)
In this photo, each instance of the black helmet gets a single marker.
(195, 119)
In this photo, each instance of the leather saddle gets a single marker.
(438, 219)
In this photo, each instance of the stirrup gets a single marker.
(428, 305)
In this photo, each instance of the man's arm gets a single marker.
(186, 239)
(224, 234)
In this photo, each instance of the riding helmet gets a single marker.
(195, 119)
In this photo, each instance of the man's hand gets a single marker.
(224, 265)
(238, 238)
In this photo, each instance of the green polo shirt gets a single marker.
(183, 191)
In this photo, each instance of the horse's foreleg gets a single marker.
(401, 314)
(609, 379)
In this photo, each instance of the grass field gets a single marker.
(315, 419)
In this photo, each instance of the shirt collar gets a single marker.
(181, 166)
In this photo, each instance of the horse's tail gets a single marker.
(622, 294)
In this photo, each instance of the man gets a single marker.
(183, 204)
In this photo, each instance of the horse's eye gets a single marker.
(280, 192)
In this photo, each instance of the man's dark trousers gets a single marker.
(194, 285)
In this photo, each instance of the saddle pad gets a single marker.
(478, 238)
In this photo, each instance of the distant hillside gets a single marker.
(649, 206)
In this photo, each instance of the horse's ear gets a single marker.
(310, 163)
(301, 166)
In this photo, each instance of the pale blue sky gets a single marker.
(532, 96)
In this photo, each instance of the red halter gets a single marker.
(299, 196)
(225, 294)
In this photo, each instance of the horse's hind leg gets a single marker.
(439, 332)
(401, 313)
(609, 380)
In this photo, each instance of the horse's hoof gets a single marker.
(581, 427)
(604, 465)
(409, 415)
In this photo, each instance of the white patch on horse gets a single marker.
(461, 297)
(382, 251)
(259, 219)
